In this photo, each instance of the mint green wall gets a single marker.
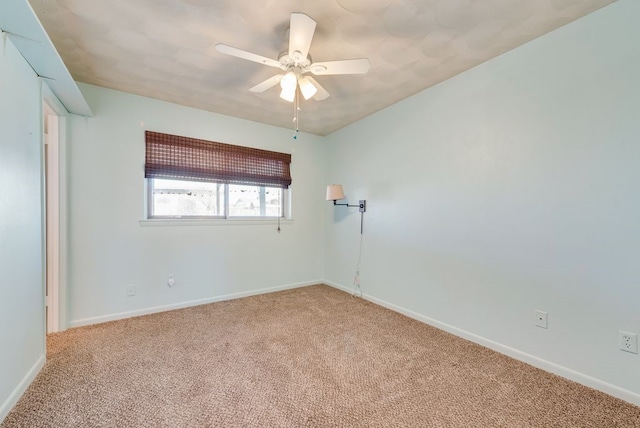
(509, 188)
(110, 249)
(22, 327)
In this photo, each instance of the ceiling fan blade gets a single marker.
(270, 82)
(230, 50)
(300, 35)
(347, 66)
(322, 93)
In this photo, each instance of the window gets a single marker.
(189, 178)
(180, 199)
(177, 198)
(251, 201)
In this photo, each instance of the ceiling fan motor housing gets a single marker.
(289, 62)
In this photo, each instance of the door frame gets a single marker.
(54, 129)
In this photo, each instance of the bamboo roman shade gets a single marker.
(183, 158)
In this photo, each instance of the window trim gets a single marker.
(180, 222)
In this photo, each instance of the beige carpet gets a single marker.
(310, 357)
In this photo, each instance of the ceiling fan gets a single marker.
(296, 63)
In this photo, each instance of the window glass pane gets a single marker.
(255, 201)
(186, 198)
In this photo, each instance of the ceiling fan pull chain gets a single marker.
(295, 114)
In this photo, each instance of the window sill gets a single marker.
(169, 222)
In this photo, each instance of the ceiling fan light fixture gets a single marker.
(289, 81)
(288, 94)
(307, 88)
(289, 84)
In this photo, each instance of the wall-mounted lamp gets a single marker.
(335, 193)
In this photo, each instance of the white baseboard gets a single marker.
(187, 304)
(11, 401)
(540, 363)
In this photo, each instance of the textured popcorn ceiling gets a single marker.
(164, 49)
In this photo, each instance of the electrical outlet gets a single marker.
(628, 341)
(542, 319)
(131, 290)
(171, 281)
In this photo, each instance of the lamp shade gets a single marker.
(334, 192)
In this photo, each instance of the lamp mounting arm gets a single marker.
(362, 205)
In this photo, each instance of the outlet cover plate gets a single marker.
(542, 319)
(131, 290)
(628, 342)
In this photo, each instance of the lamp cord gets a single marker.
(357, 290)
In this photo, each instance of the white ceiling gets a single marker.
(164, 49)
